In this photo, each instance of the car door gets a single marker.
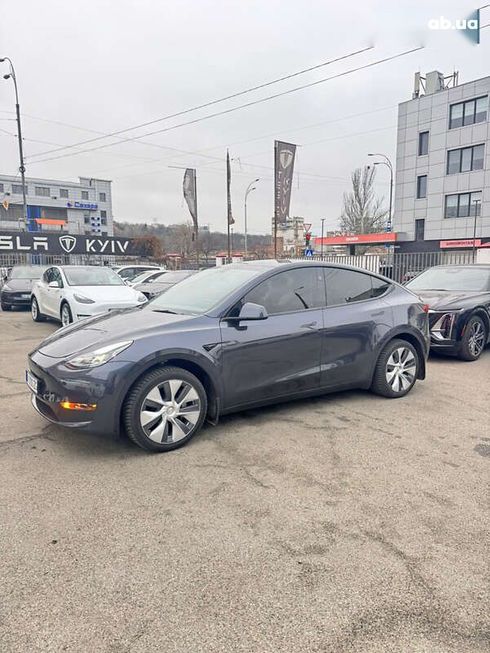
(279, 356)
(52, 296)
(42, 291)
(355, 320)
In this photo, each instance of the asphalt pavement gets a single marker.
(347, 523)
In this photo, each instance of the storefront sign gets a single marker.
(82, 205)
(44, 243)
(450, 244)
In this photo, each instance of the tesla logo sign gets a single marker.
(66, 244)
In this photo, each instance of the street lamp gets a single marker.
(22, 170)
(389, 165)
(250, 188)
(477, 211)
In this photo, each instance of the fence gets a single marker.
(400, 267)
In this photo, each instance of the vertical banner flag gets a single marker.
(284, 154)
(228, 189)
(190, 193)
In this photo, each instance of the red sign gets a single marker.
(449, 244)
(361, 239)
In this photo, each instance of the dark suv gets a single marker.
(227, 339)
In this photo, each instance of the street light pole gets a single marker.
(477, 207)
(250, 188)
(321, 243)
(389, 165)
(22, 168)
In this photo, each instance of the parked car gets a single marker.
(129, 272)
(157, 284)
(17, 284)
(146, 276)
(226, 339)
(459, 301)
(72, 292)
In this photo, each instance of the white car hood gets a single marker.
(104, 294)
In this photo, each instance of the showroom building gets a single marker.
(442, 185)
(83, 207)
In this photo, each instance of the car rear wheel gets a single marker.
(165, 409)
(473, 340)
(36, 314)
(396, 370)
(66, 316)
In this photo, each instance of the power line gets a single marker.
(213, 102)
(242, 106)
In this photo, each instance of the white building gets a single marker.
(443, 165)
(292, 234)
(83, 207)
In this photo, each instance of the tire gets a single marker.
(174, 428)
(473, 340)
(36, 314)
(66, 316)
(5, 307)
(396, 370)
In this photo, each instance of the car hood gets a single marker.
(103, 330)
(451, 299)
(106, 293)
(19, 285)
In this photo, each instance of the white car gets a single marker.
(146, 277)
(129, 272)
(72, 292)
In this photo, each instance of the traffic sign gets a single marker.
(307, 226)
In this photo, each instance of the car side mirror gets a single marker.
(53, 284)
(250, 311)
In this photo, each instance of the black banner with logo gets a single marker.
(284, 154)
(55, 243)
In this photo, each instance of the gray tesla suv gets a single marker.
(227, 339)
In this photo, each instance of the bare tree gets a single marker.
(362, 211)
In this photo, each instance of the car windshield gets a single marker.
(92, 276)
(172, 277)
(471, 279)
(26, 272)
(145, 277)
(201, 292)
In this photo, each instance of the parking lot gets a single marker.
(338, 524)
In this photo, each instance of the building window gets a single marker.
(63, 192)
(1, 188)
(42, 191)
(468, 113)
(419, 229)
(465, 159)
(102, 197)
(462, 205)
(84, 194)
(86, 218)
(17, 189)
(103, 214)
(421, 186)
(423, 143)
(103, 221)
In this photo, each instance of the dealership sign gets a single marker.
(358, 239)
(52, 243)
(469, 242)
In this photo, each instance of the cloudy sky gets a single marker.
(87, 69)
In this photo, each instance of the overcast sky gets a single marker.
(100, 66)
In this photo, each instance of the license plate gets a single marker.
(32, 382)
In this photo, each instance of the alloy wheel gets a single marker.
(34, 309)
(476, 341)
(401, 369)
(170, 411)
(65, 315)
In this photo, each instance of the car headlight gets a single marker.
(81, 299)
(97, 357)
(6, 287)
(141, 298)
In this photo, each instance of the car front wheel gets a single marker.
(165, 409)
(473, 340)
(66, 316)
(396, 370)
(35, 312)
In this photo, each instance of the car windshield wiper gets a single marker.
(164, 310)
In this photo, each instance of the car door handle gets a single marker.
(309, 325)
(377, 314)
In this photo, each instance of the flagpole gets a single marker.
(228, 202)
(196, 229)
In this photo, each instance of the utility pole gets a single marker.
(22, 168)
(321, 244)
(388, 164)
(477, 210)
(250, 188)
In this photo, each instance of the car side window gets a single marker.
(57, 277)
(348, 286)
(48, 275)
(291, 290)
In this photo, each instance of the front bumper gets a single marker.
(15, 299)
(104, 386)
